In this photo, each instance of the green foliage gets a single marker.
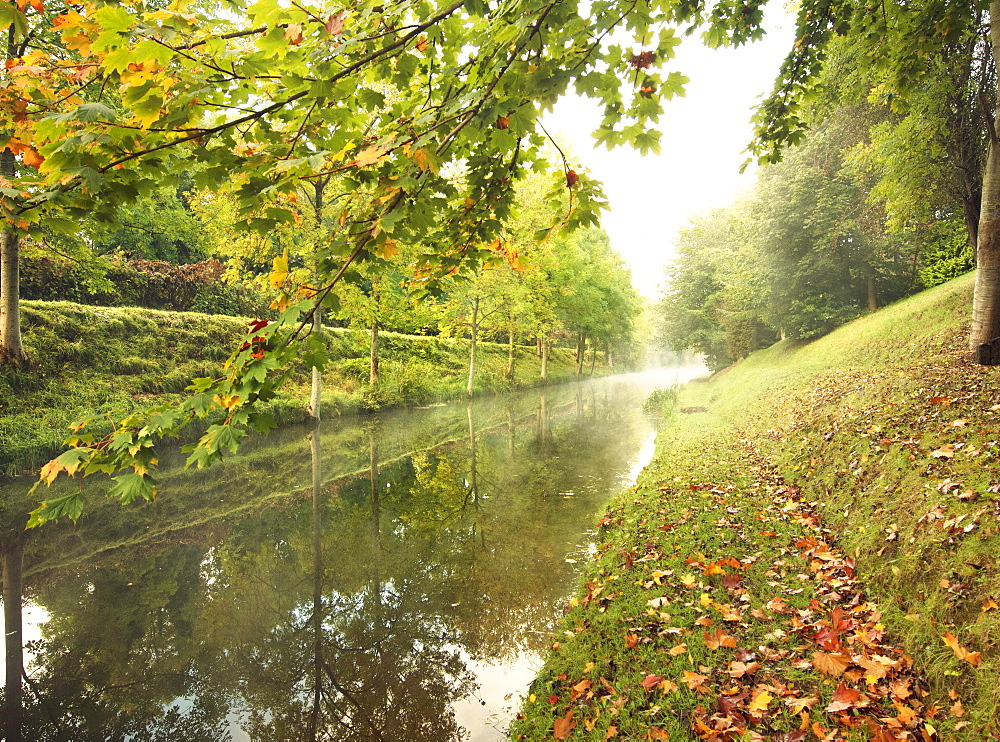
(661, 401)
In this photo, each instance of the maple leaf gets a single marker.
(738, 669)
(642, 60)
(293, 33)
(693, 679)
(502, 122)
(31, 158)
(656, 733)
(561, 728)
(369, 156)
(335, 23)
(571, 178)
(719, 639)
(678, 650)
(973, 658)
(833, 664)
(760, 702)
(845, 698)
(651, 681)
(631, 640)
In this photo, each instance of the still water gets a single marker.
(391, 577)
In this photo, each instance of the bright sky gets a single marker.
(704, 137)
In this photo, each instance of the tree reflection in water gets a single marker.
(326, 592)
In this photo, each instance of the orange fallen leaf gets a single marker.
(973, 658)
(831, 663)
(719, 639)
(693, 679)
(561, 728)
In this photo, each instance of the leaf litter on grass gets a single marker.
(720, 608)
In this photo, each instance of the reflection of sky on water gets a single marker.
(446, 562)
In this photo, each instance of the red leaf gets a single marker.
(571, 178)
(650, 681)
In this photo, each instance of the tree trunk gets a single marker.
(872, 296)
(472, 346)
(317, 327)
(986, 301)
(11, 350)
(13, 707)
(316, 391)
(510, 356)
(581, 346)
(373, 360)
(545, 360)
(538, 346)
(971, 208)
(593, 357)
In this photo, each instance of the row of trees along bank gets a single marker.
(880, 197)
(409, 124)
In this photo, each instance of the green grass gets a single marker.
(892, 435)
(89, 360)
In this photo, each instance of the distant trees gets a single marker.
(881, 195)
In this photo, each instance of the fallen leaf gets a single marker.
(973, 658)
(651, 681)
(719, 639)
(657, 733)
(561, 728)
(760, 702)
(693, 679)
(831, 663)
(845, 698)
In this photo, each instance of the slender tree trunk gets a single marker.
(373, 360)
(472, 346)
(11, 349)
(13, 707)
(986, 301)
(538, 346)
(611, 360)
(473, 475)
(581, 346)
(545, 360)
(317, 580)
(510, 356)
(872, 296)
(593, 357)
(971, 208)
(316, 391)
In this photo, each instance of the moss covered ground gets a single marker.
(811, 557)
(100, 359)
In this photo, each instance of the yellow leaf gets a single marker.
(49, 472)
(279, 270)
(369, 156)
(387, 249)
(760, 702)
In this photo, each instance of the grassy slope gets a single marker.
(889, 436)
(95, 359)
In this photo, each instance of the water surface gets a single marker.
(391, 577)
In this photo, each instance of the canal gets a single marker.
(387, 577)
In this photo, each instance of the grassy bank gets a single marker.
(813, 556)
(95, 359)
